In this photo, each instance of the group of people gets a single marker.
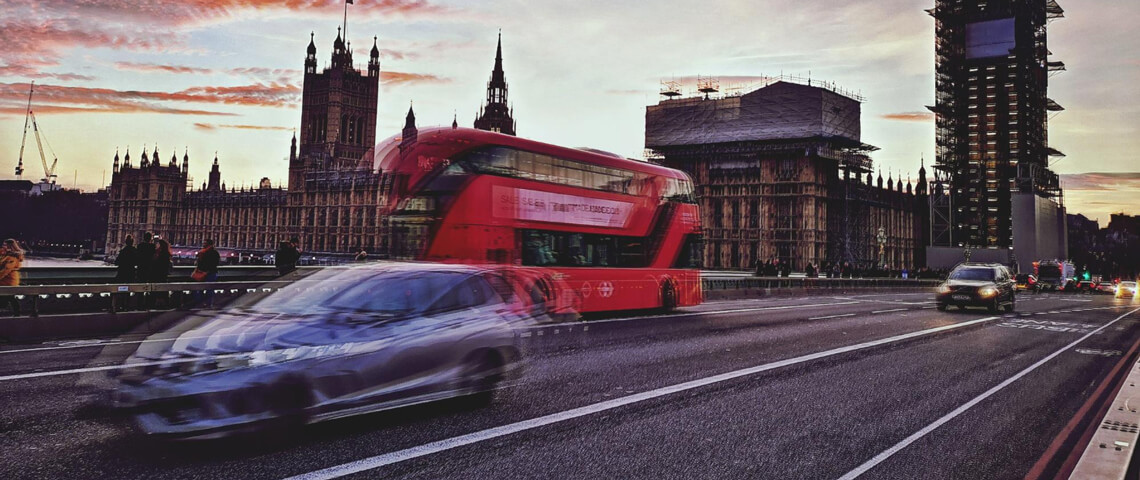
(148, 262)
(773, 268)
(11, 259)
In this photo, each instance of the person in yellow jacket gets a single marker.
(11, 257)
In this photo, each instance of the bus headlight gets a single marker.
(987, 291)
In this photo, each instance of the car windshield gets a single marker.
(984, 274)
(368, 291)
(1128, 284)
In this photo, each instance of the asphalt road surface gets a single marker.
(818, 387)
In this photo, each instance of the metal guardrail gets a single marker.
(119, 293)
(743, 283)
(86, 297)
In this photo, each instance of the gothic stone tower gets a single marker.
(338, 112)
(496, 116)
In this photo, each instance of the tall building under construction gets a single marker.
(781, 173)
(994, 189)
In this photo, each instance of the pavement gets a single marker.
(815, 387)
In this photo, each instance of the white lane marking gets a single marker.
(877, 459)
(482, 435)
(891, 310)
(832, 316)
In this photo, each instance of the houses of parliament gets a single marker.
(334, 197)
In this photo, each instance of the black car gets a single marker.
(977, 285)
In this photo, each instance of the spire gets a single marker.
(496, 116)
(374, 60)
(186, 160)
(410, 133)
(454, 121)
(498, 78)
(145, 160)
(410, 120)
(127, 158)
(155, 161)
(174, 159)
(293, 148)
(311, 54)
(921, 188)
(115, 164)
(880, 180)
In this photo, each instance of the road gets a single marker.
(816, 387)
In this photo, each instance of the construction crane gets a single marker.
(48, 182)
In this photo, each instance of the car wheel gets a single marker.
(668, 297)
(484, 376)
(288, 400)
(993, 306)
(941, 307)
(1009, 306)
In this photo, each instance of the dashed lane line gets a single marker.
(832, 316)
(883, 456)
(390, 458)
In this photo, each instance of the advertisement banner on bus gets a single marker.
(524, 204)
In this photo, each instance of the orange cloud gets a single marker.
(400, 78)
(38, 33)
(909, 116)
(152, 67)
(61, 99)
(211, 126)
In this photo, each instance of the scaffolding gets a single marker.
(991, 115)
(778, 171)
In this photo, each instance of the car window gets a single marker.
(470, 293)
(982, 274)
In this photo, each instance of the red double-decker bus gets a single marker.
(622, 234)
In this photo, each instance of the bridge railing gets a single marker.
(104, 295)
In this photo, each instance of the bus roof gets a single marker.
(433, 145)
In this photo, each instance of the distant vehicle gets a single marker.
(1026, 282)
(626, 234)
(977, 285)
(1106, 287)
(1055, 275)
(1086, 286)
(1126, 290)
(342, 342)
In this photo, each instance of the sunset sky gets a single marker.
(225, 75)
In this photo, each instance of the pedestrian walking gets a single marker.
(126, 263)
(286, 257)
(142, 266)
(160, 266)
(206, 268)
(362, 255)
(146, 256)
(11, 258)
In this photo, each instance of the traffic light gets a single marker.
(1086, 275)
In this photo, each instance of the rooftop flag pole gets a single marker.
(346, 4)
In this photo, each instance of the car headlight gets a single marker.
(943, 289)
(987, 291)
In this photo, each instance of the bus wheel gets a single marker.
(668, 297)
